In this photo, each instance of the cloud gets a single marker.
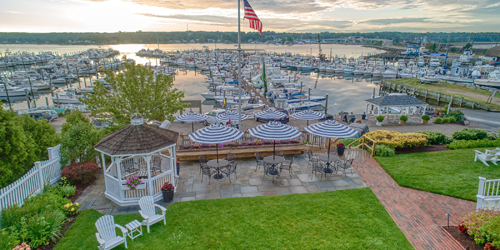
(274, 6)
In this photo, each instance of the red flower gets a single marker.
(167, 186)
(340, 145)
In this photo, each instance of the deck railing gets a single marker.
(364, 142)
(488, 195)
(32, 183)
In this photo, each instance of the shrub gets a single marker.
(77, 142)
(459, 116)
(452, 119)
(403, 118)
(446, 120)
(380, 118)
(78, 173)
(473, 144)
(8, 240)
(71, 208)
(348, 141)
(43, 228)
(493, 135)
(475, 220)
(68, 191)
(470, 134)
(435, 137)
(384, 150)
(438, 120)
(397, 140)
(491, 229)
(426, 117)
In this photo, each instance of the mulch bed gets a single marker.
(465, 240)
(431, 148)
(70, 219)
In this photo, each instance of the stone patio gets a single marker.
(249, 183)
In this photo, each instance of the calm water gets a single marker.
(348, 93)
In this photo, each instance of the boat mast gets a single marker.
(239, 69)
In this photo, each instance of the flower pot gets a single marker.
(425, 122)
(140, 186)
(168, 195)
(340, 150)
(402, 123)
(379, 123)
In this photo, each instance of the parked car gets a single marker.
(41, 115)
(212, 116)
(283, 120)
(52, 112)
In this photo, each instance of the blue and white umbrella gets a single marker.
(308, 115)
(191, 117)
(231, 115)
(275, 130)
(215, 134)
(331, 129)
(269, 114)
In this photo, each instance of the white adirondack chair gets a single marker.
(488, 155)
(148, 211)
(106, 233)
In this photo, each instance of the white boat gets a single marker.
(390, 73)
(466, 56)
(293, 107)
(15, 91)
(492, 81)
(420, 62)
(434, 62)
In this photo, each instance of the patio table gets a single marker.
(274, 160)
(328, 160)
(218, 165)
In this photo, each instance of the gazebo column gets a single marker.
(147, 158)
(366, 110)
(103, 165)
(425, 109)
(118, 165)
(378, 110)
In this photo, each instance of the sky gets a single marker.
(276, 15)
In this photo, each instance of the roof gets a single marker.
(396, 100)
(137, 139)
(495, 51)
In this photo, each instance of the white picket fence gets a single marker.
(488, 195)
(44, 172)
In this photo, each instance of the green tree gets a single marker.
(72, 118)
(201, 39)
(15, 149)
(289, 39)
(468, 46)
(136, 90)
(77, 142)
(431, 46)
(41, 134)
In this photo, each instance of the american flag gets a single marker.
(255, 23)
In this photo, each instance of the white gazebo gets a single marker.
(405, 103)
(136, 150)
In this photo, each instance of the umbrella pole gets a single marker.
(192, 127)
(217, 150)
(329, 142)
(274, 149)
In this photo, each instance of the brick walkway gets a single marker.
(417, 213)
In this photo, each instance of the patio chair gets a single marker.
(106, 233)
(488, 155)
(287, 165)
(230, 157)
(156, 164)
(206, 171)
(270, 170)
(230, 170)
(317, 167)
(346, 165)
(203, 161)
(311, 157)
(148, 212)
(260, 162)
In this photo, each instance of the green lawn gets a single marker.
(452, 173)
(347, 219)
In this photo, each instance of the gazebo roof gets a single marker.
(396, 100)
(137, 139)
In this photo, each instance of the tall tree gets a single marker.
(41, 134)
(136, 90)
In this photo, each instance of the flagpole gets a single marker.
(239, 69)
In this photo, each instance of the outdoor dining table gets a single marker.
(328, 160)
(274, 160)
(218, 164)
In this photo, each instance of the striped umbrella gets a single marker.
(269, 114)
(191, 117)
(331, 129)
(275, 130)
(308, 115)
(215, 134)
(230, 115)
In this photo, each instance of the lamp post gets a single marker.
(448, 215)
(334, 111)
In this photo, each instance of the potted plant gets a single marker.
(403, 119)
(425, 119)
(168, 191)
(380, 119)
(134, 183)
(340, 148)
